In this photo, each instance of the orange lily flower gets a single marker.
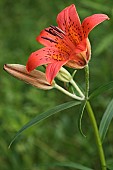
(65, 44)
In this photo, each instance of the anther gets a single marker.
(57, 29)
(53, 32)
(49, 39)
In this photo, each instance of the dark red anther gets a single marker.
(53, 32)
(49, 39)
(57, 29)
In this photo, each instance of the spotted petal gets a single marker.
(45, 56)
(90, 22)
(52, 70)
(81, 46)
(59, 40)
(51, 41)
(38, 58)
(68, 20)
(78, 61)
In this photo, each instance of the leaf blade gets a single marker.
(81, 112)
(101, 89)
(106, 120)
(104, 44)
(45, 115)
(95, 5)
(72, 165)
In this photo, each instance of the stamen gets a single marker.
(53, 32)
(57, 29)
(49, 39)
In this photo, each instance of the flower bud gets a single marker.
(64, 75)
(35, 78)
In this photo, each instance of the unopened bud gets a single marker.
(64, 75)
(35, 78)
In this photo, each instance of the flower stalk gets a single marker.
(87, 81)
(94, 123)
(68, 93)
(97, 136)
(77, 88)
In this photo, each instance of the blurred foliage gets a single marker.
(57, 138)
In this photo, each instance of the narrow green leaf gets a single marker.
(96, 6)
(110, 164)
(101, 90)
(45, 115)
(81, 112)
(110, 167)
(72, 165)
(104, 43)
(106, 120)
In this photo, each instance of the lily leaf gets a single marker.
(104, 44)
(110, 164)
(72, 165)
(82, 107)
(106, 120)
(101, 90)
(96, 6)
(45, 115)
(110, 167)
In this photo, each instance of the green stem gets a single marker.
(94, 123)
(97, 136)
(77, 88)
(68, 93)
(87, 81)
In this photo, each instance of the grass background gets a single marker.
(56, 139)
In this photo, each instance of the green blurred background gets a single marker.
(57, 138)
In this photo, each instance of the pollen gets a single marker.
(58, 57)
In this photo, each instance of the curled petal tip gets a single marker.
(106, 17)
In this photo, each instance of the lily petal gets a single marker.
(81, 46)
(88, 52)
(45, 56)
(40, 57)
(68, 20)
(59, 40)
(48, 42)
(90, 22)
(78, 62)
(53, 69)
